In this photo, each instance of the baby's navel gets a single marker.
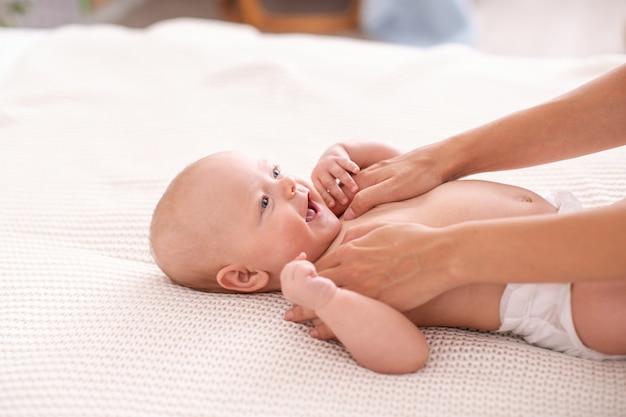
(524, 198)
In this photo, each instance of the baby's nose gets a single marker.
(289, 183)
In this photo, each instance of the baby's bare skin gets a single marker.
(378, 336)
(475, 306)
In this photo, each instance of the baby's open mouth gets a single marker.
(311, 211)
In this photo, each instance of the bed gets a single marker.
(94, 123)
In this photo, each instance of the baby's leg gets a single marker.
(599, 314)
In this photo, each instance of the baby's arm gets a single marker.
(332, 176)
(377, 336)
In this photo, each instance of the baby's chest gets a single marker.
(401, 212)
(421, 209)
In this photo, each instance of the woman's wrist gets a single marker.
(461, 268)
(452, 157)
(434, 263)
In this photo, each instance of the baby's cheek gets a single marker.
(285, 253)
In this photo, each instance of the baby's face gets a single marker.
(266, 217)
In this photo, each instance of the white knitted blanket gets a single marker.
(95, 121)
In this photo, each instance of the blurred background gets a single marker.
(557, 28)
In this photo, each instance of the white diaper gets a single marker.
(564, 201)
(542, 313)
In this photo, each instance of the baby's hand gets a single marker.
(301, 285)
(332, 176)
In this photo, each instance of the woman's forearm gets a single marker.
(585, 120)
(572, 247)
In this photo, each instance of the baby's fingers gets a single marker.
(344, 175)
(299, 314)
(340, 187)
(320, 186)
(330, 190)
(336, 193)
(321, 331)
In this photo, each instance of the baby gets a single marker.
(229, 223)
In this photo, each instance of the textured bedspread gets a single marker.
(95, 121)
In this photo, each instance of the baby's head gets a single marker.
(229, 223)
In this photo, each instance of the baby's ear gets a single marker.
(241, 279)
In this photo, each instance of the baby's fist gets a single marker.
(301, 285)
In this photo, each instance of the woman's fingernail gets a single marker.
(349, 214)
(289, 315)
(314, 333)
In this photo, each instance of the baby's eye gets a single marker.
(275, 171)
(264, 203)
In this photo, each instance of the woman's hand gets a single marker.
(405, 176)
(332, 178)
(401, 264)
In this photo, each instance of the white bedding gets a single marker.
(95, 121)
